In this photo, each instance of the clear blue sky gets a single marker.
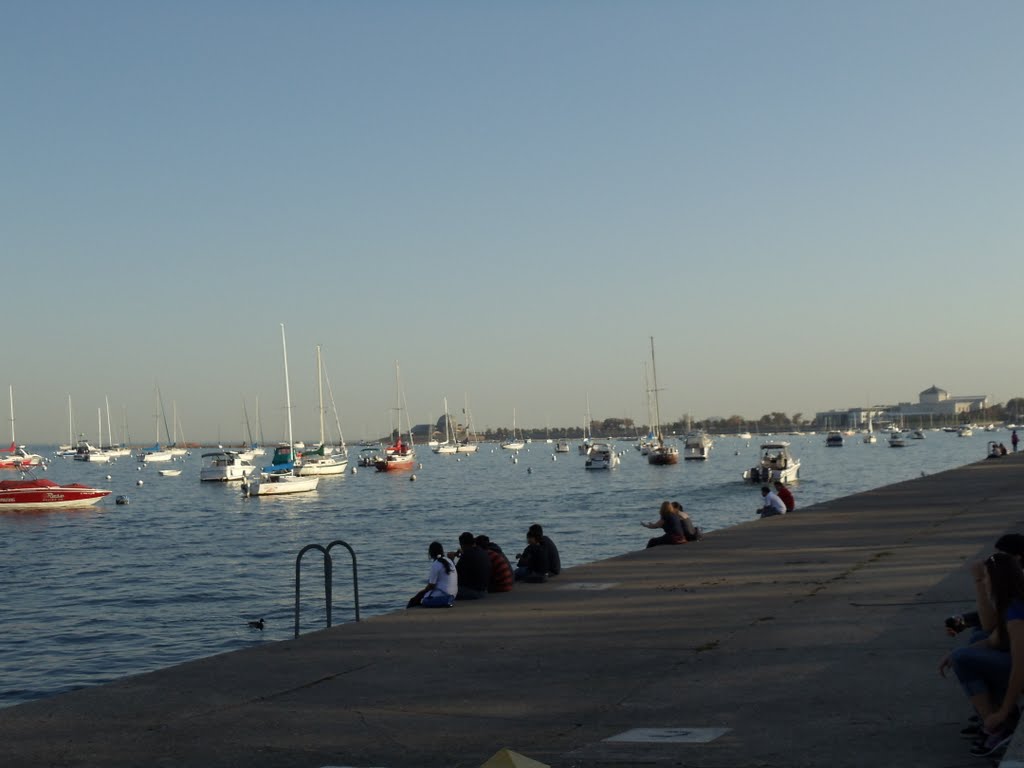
(808, 204)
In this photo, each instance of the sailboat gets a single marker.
(16, 457)
(869, 436)
(400, 455)
(114, 450)
(450, 444)
(515, 442)
(584, 447)
(468, 444)
(69, 448)
(157, 452)
(174, 448)
(280, 476)
(660, 453)
(324, 459)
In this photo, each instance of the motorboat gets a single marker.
(16, 457)
(170, 472)
(561, 446)
(834, 440)
(225, 466)
(87, 452)
(917, 434)
(897, 440)
(776, 463)
(42, 493)
(696, 446)
(965, 431)
(869, 437)
(369, 455)
(602, 456)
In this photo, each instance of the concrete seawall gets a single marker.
(810, 639)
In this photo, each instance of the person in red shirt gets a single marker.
(786, 495)
(501, 568)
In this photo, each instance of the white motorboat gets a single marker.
(897, 440)
(601, 456)
(917, 434)
(561, 446)
(965, 431)
(170, 472)
(776, 463)
(696, 446)
(225, 467)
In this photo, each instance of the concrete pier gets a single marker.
(810, 639)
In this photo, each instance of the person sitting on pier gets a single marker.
(991, 670)
(554, 561)
(473, 567)
(670, 523)
(786, 495)
(532, 565)
(691, 532)
(501, 569)
(773, 505)
(442, 583)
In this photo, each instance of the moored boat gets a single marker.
(400, 455)
(659, 453)
(225, 466)
(602, 456)
(42, 493)
(834, 440)
(697, 446)
(776, 463)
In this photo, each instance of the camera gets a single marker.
(955, 625)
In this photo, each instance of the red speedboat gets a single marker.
(40, 493)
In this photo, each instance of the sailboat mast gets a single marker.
(71, 427)
(13, 441)
(99, 428)
(657, 409)
(287, 397)
(110, 434)
(320, 391)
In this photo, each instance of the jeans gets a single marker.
(438, 599)
(982, 669)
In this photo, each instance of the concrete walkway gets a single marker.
(810, 639)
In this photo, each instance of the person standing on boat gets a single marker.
(1014, 439)
(786, 495)
(773, 505)
(442, 583)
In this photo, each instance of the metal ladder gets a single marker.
(328, 577)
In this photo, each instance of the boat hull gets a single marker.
(276, 485)
(395, 464)
(45, 494)
(322, 467)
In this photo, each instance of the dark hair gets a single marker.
(1011, 543)
(535, 530)
(1006, 582)
(765, 489)
(466, 539)
(436, 552)
(482, 541)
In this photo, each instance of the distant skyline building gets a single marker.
(935, 405)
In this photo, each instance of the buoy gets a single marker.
(515, 459)
(121, 500)
(138, 482)
(529, 470)
(420, 466)
(353, 470)
(412, 478)
(109, 477)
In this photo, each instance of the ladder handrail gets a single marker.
(328, 578)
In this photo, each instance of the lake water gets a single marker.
(96, 594)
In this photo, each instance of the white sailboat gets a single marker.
(450, 444)
(280, 477)
(515, 442)
(16, 457)
(115, 451)
(584, 447)
(157, 452)
(468, 444)
(324, 459)
(174, 448)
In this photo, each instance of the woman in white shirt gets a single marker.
(442, 583)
